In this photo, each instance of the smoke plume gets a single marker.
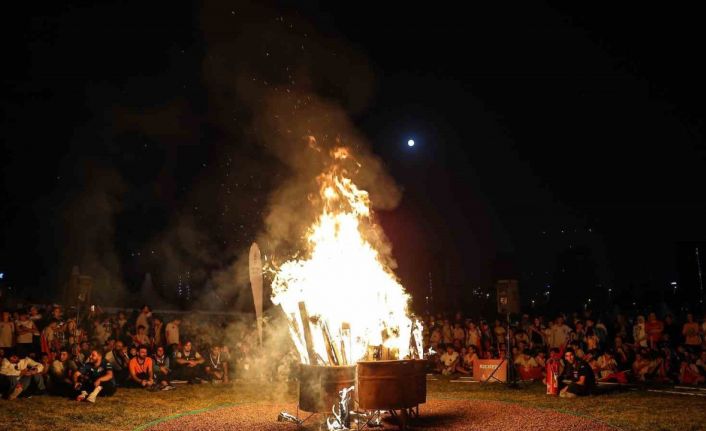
(299, 89)
(89, 222)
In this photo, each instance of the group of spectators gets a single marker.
(667, 350)
(43, 351)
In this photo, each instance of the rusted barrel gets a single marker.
(319, 386)
(420, 378)
(386, 385)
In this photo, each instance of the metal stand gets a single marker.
(300, 425)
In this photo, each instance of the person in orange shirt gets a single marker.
(690, 331)
(141, 371)
(654, 329)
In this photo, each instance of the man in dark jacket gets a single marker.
(579, 375)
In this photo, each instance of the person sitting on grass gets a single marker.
(162, 370)
(469, 357)
(46, 365)
(689, 372)
(641, 366)
(527, 366)
(77, 355)
(189, 364)
(216, 368)
(20, 374)
(608, 368)
(541, 359)
(622, 353)
(119, 361)
(449, 360)
(141, 371)
(701, 363)
(171, 334)
(61, 375)
(579, 374)
(94, 378)
(461, 365)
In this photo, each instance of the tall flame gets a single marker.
(353, 299)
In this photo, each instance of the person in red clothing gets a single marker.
(689, 372)
(555, 367)
(654, 329)
(141, 371)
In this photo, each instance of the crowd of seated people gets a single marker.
(622, 350)
(44, 352)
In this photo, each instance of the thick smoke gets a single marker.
(296, 85)
(268, 82)
(89, 226)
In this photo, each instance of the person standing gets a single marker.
(157, 335)
(143, 319)
(639, 335)
(654, 329)
(25, 330)
(536, 333)
(172, 333)
(559, 334)
(141, 338)
(473, 336)
(7, 331)
(690, 331)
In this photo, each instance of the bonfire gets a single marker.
(343, 303)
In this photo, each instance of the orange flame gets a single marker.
(355, 301)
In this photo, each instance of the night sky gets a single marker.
(562, 145)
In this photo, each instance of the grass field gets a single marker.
(130, 408)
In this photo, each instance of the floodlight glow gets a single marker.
(410, 142)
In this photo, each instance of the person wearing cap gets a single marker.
(20, 374)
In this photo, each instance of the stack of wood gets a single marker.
(305, 329)
(320, 344)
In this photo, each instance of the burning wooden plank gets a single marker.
(346, 343)
(331, 347)
(296, 338)
(309, 343)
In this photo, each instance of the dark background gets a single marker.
(559, 144)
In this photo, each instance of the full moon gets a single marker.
(410, 142)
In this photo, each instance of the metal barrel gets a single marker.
(386, 385)
(319, 386)
(420, 378)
